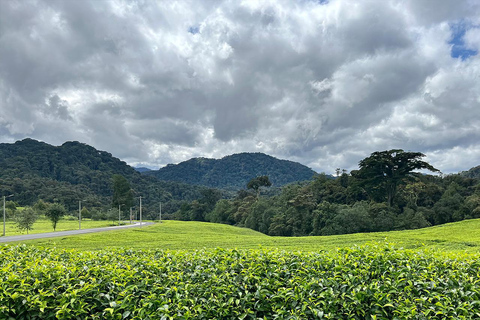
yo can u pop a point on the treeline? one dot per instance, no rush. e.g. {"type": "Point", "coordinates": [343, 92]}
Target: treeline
{"type": "Point", "coordinates": [33, 170]}
{"type": "Point", "coordinates": [361, 201]}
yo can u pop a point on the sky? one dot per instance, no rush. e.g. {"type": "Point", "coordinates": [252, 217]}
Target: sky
{"type": "Point", "coordinates": [324, 83]}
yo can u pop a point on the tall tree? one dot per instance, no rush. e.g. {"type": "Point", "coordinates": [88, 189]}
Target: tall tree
{"type": "Point", "coordinates": [122, 193]}
{"type": "Point", "coordinates": [382, 172]}
{"type": "Point", "coordinates": [256, 183]}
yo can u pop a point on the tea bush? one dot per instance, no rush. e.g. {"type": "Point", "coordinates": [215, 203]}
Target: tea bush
{"type": "Point", "coordinates": [368, 282]}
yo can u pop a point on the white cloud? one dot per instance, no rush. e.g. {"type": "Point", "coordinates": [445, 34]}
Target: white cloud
{"type": "Point", "coordinates": [325, 84]}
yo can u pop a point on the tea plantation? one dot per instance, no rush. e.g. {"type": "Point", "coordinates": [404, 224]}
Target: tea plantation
{"type": "Point", "coordinates": [370, 281]}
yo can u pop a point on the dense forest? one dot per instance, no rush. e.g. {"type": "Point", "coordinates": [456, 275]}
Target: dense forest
{"type": "Point", "coordinates": [74, 171]}
{"type": "Point", "coordinates": [33, 170]}
{"type": "Point", "coordinates": [234, 171]}
{"type": "Point", "coordinates": [380, 196]}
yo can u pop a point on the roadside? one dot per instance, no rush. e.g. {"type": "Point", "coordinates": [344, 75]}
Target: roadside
{"type": "Point", "coordinates": [69, 233]}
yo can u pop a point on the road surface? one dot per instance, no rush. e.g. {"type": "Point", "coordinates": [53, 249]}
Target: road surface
{"type": "Point", "coordinates": [68, 233]}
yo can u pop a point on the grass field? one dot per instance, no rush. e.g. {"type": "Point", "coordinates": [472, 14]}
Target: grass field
{"type": "Point", "coordinates": [178, 235]}
{"type": "Point", "coordinates": [43, 225]}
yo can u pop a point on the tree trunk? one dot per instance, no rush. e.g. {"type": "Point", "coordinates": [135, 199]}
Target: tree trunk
{"type": "Point", "coordinates": [391, 190]}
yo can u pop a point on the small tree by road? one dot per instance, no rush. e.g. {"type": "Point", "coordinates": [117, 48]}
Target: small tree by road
{"type": "Point", "coordinates": [25, 219]}
{"type": "Point", "coordinates": [112, 215]}
{"type": "Point", "coordinates": [54, 213]}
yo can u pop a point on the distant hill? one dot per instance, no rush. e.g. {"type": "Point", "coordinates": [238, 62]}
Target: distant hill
{"type": "Point", "coordinates": [74, 171]}
{"type": "Point", "coordinates": [473, 173]}
{"type": "Point", "coordinates": [142, 169]}
{"type": "Point", "coordinates": [234, 171]}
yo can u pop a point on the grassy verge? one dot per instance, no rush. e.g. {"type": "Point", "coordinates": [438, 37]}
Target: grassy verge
{"type": "Point", "coordinates": [177, 235]}
{"type": "Point", "coordinates": [43, 225]}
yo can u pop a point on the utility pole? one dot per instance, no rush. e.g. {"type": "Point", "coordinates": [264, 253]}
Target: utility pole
{"type": "Point", "coordinates": [130, 215]}
{"type": "Point", "coordinates": [4, 216]}
{"type": "Point", "coordinates": [140, 211]}
{"type": "Point", "coordinates": [119, 213]}
{"type": "Point", "coordinates": [4, 212]}
{"type": "Point", "coordinates": [79, 214]}
{"type": "Point", "coordinates": [160, 212]}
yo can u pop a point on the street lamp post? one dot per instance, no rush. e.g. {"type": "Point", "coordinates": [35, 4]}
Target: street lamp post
{"type": "Point", "coordinates": [119, 213]}
{"type": "Point", "coordinates": [4, 197]}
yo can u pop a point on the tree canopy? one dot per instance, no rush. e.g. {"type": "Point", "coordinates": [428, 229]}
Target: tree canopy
{"type": "Point", "coordinates": [256, 183]}
{"type": "Point", "coordinates": [383, 171]}
{"type": "Point", "coordinates": [55, 212]}
{"type": "Point", "coordinates": [233, 172]}
{"type": "Point", "coordinates": [122, 193]}
{"type": "Point", "coordinates": [25, 219]}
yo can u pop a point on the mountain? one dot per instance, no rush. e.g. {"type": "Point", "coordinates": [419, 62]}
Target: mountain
{"type": "Point", "coordinates": [234, 171]}
{"type": "Point", "coordinates": [473, 173]}
{"type": "Point", "coordinates": [142, 169]}
{"type": "Point", "coordinates": [74, 171]}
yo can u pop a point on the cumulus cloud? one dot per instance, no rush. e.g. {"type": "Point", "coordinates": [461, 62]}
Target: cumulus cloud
{"type": "Point", "coordinates": [323, 83]}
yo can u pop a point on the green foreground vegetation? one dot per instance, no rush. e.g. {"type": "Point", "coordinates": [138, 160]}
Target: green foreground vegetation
{"type": "Point", "coordinates": [197, 270]}
{"type": "Point", "coordinates": [189, 235]}
{"type": "Point", "coordinates": [368, 282]}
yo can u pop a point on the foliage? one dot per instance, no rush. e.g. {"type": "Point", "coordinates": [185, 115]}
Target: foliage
{"type": "Point", "coordinates": [25, 219]}
{"type": "Point", "coordinates": [369, 282]}
{"type": "Point", "coordinates": [86, 214]}
{"type": "Point", "coordinates": [11, 205]}
{"type": "Point", "coordinates": [10, 208]}
{"type": "Point", "coordinates": [42, 225]}
{"type": "Point", "coordinates": [382, 172]}
{"type": "Point", "coordinates": [198, 209]}
{"type": "Point", "coordinates": [40, 206]}
{"type": "Point", "coordinates": [112, 215]}
{"type": "Point", "coordinates": [349, 203]}
{"type": "Point", "coordinates": [258, 182]}
{"type": "Point", "coordinates": [359, 202]}
{"type": "Point", "coordinates": [327, 206]}
{"type": "Point", "coordinates": [234, 171]}
{"type": "Point", "coordinates": [55, 212]}
{"type": "Point", "coordinates": [122, 193]}
{"type": "Point", "coordinates": [74, 171]}
{"type": "Point", "coordinates": [472, 173]}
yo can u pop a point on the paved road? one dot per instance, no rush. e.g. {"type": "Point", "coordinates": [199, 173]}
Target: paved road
{"type": "Point", "coordinates": [68, 233]}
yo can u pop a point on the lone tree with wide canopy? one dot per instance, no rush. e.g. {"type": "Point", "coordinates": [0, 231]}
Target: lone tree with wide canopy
{"type": "Point", "coordinates": [384, 171]}
{"type": "Point", "coordinates": [257, 182]}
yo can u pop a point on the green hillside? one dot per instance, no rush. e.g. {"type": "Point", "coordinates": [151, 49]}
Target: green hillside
{"type": "Point", "coordinates": [178, 235]}
{"type": "Point", "coordinates": [234, 171]}
{"type": "Point", "coordinates": [33, 170]}
{"type": "Point", "coordinates": [473, 173]}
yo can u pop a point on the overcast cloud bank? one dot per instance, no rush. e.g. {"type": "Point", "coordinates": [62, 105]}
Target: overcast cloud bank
{"type": "Point", "coordinates": [322, 83]}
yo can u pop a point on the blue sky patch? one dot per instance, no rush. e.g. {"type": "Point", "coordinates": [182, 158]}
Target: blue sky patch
{"type": "Point", "coordinates": [194, 30]}
{"type": "Point", "coordinates": [459, 50]}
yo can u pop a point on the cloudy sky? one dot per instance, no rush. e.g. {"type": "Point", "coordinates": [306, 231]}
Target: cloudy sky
{"type": "Point", "coordinates": [324, 83]}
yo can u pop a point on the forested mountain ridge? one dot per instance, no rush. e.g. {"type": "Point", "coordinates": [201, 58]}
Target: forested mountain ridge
{"type": "Point", "coordinates": [74, 171]}
{"type": "Point", "coordinates": [234, 171]}
{"type": "Point", "coordinates": [473, 173]}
